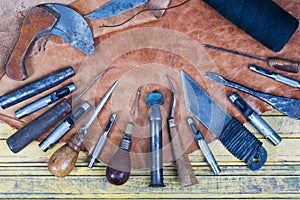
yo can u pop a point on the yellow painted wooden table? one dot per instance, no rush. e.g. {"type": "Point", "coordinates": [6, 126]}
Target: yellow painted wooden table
{"type": "Point", "coordinates": [25, 175]}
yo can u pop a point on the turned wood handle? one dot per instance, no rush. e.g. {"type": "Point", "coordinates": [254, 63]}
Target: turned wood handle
{"type": "Point", "coordinates": [185, 171]}
{"type": "Point", "coordinates": [63, 160]}
{"type": "Point", "coordinates": [36, 22]}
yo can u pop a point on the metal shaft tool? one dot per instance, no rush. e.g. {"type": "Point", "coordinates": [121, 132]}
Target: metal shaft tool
{"type": "Point", "coordinates": [254, 118]}
{"type": "Point", "coordinates": [275, 76]}
{"type": "Point", "coordinates": [118, 169]}
{"type": "Point", "coordinates": [63, 160]}
{"type": "Point", "coordinates": [45, 101]}
{"type": "Point", "coordinates": [184, 168]}
{"type": "Point", "coordinates": [288, 106]}
{"type": "Point", "coordinates": [35, 88]}
{"type": "Point", "coordinates": [278, 63]}
{"type": "Point", "coordinates": [102, 140]}
{"type": "Point", "coordinates": [203, 146]}
{"type": "Point", "coordinates": [154, 100]}
{"type": "Point", "coordinates": [65, 126]}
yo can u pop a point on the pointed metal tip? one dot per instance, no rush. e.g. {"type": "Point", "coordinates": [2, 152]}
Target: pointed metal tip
{"type": "Point", "coordinates": [215, 77]}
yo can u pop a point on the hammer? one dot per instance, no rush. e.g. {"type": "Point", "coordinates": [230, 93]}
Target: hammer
{"type": "Point", "coordinates": [154, 100]}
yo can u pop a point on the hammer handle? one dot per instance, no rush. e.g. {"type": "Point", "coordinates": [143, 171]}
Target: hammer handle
{"type": "Point", "coordinates": [34, 24]}
{"type": "Point", "coordinates": [38, 126]}
{"type": "Point", "coordinates": [185, 171]}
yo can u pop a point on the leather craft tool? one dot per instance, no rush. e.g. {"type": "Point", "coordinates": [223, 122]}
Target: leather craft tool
{"type": "Point", "coordinates": [65, 126]}
{"type": "Point", "coordinates": [288, 106]}
{"type": "Point", "coordinates": [234, 136]}
{"type": "Point", "coordinates": [119, 167]}
{"type": "Point", "coordinates": [35, 88]}
{"type": "Point", "coordinates": [102, 140]}
{"type": "Point", "coordinates": [277, 63]}
{"type": "Point", "coordinates": [154, 100]}
{"type": "Point", "coordinates": [203, 146]}
{"type": "Point", "coordinates": [63, 160]}
{"type": "Point", "coordinates": [38, 126]}
{"type": "Point", "coordinates": [184, 168]}
{"type": "Point", "coordinates": [45, 101]}
{"type": "Point", "coordinates": [48, 19]}
{"type": "Point", "coordinates": [254, 118]}
{"type": "Point", "coordinates": [275, 76]}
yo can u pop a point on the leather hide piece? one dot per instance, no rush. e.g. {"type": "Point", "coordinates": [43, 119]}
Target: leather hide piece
{"type": "Point", "coordinates": [142, 55]}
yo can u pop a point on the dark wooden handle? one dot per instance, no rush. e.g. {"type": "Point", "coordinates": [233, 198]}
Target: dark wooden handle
{"type": "Point", "coordinates": [285, 65]}
{"type": "Point", "coordinates": [34, 23]}
{"type": "Point", "coordinates": [62, 161]}
{"type": "Point", "coordinates": [38, 126]}
{"type": "Point", "coordinates": [185, 171]}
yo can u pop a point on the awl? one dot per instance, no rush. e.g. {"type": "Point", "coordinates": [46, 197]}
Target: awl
{"type": "Point", "coordinates": [234, 136]}
{"type": "Point", "coordinates": [63, 160]}
{"type": "Point", "coordinates": [203, 146]}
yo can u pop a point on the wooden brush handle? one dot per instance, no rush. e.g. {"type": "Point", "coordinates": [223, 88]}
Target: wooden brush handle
{"type": "Point", "coordinates": [37, 21]}
{"type": "Point", "coordinates": [185, 171]}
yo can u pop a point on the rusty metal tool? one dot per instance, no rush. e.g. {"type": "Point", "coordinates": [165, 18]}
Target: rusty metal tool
{"type": "Point", "coordinates": [102, 140]}
{"type": "Point", "coordinates": [63, 160]}
{"type": "Point", "coordinates": [278, 63]}
{"type": "Point", "coordinates": [119, 167]}
{"type": "Point", "coordinates": [35, 88]}
{"type": "Point", "coordinates": [65, 126]}
{"type": "Point", "coordinates": [275, 76]}
{"type": "Point", "coordinates": [203, 146]}
{"type": "Point", "coordinates": [46, 19]}
{"type": "Point", "coordinates": [154, 100]}
{"type": "Point", "coordinates": [45, 101]}
{"type": "Point", "coordinates": [258, 122]}
{"type": "Point", "coordinates": [234, 136]}
{"type": "Point", "coordinates": [184, 168]}
{"type": "Point", "coordinates": [288, 106]}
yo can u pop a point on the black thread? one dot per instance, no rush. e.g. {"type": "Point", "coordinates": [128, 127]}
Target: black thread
{"type": "Point", "coordinates": [264, 20]}
{"type": "Point", "coordinates": [148, 9]}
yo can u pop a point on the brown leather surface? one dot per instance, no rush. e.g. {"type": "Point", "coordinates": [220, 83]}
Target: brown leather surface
{"type": "Point", "coordinates": [143, 55]}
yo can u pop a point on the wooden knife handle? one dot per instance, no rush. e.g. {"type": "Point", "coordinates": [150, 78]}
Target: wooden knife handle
{"type": "Point", "coordinates": [34, 24]}
{"type": "Point", "coordinates": [185, 171]}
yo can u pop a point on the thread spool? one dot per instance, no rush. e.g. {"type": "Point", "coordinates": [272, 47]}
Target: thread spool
{"type": "Point", "coordinates": [264, 20]}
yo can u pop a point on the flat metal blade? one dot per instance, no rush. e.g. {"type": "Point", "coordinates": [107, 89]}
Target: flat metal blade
{"type": "Point", "coordinates": [73, 28]}
{"type": "Point", "coordinates": [115, 7]}
{"type": "Point", "coordinates": [203, 107]}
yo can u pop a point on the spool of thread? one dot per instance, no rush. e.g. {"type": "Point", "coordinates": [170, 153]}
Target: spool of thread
{"type": "Point", "coordinates": [264, 20]}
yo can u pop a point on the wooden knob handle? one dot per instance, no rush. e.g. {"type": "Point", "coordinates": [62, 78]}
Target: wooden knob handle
{"type": "Point", "coordinates": [62, 161]}
{"type": "Point", "coordinates": [185, 171]}
{"type": "Point", "coordinates": [37, 21]}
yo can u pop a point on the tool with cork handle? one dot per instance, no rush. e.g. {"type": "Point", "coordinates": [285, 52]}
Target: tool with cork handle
{"type": "Point", "coordinates": [184, 168]}
{"type": "Point", "coordinates": [277, 63]}
{"type": "Point", "coordinates": [119, 167]}
{"type": "Point", "coordinates": [63, 160]}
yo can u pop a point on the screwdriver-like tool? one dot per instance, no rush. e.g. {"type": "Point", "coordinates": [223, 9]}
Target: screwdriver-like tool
{"type": "Point", "coordinates": [63, 160]}
{"type": "Point", "coordinates": [118, 169]}
{"type": "Point", "coordinates": [203, 146]}
{"type": "Point", "coordinates": [277, 63]}
{"type": "Point", "coordinates": [102, 140]}
{"type": "Point", "coordinates": [184, 168]}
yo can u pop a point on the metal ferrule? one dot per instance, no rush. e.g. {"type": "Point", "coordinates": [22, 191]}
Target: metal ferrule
{"type": "Point", "coordinates": [254, 118]}
{"type": "Point", "coordinates": [125, 143]}
{"type": "Point", "coordinates": [64, 127]}
{"type": "Point", "coordinates": [45, 101]}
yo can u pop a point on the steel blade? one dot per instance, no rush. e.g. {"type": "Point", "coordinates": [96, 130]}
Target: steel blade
{"type": "Point", "coordinates": [73, 28]}
{"type": "Point", "coordinates": [203, 107]}
{"type": "Point", "coordinates": [115, 7]}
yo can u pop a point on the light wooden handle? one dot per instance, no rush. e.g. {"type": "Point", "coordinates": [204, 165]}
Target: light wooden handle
{"type": "Point", "coordinates": [37, 21]}
{"type": "Point", "coordinates": [185, 171]}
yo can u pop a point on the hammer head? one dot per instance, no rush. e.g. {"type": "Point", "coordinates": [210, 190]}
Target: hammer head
{"type": "Point", "coordinates": [154, 98]}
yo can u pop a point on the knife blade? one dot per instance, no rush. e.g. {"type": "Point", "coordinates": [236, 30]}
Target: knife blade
{"type": "Point", "coordinates": [233, 135]}
{"type": "Point", "coordinates": [115, 7]}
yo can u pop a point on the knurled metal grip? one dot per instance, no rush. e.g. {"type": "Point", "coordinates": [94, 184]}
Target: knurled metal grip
{"type": "Point", "coordinates": [243, 145]}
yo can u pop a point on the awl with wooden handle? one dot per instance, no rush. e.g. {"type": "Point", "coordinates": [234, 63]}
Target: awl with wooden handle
{"type": "Point", "coordinates": [278, 63]}
{"type": "Point", "coordinates": [63, 160]}
{"type": "Point", "coordinates": [185, 171]}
